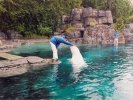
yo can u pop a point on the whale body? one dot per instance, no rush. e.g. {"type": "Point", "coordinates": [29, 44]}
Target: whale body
{"type": "Point", "coordinates": [77, 59]}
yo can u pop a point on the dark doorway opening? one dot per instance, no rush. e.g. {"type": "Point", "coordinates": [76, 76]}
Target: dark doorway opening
{"type": "Point", "coordinates": [81, 34]}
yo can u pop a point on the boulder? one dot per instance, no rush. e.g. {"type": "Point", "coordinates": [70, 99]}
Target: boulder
{"type": "Point", "coordinates": [77, 34]}
{"type": "Point", "coordinates": [86, 21]}
{"type": "Point", "coordinates": [129, 26]}
{"type": "Point", "coordinates": [65, 19]}
{"type": "Point", "coordinates": [128, 33]}
{"type": "Point", "coordinates": [101, 13]}
{"type": "Point", "coordinates": [2, 36]}
{"type": "Point", "coordinates": [1, 65]}
{"type": "Point", "coordinates": [19, 61]}
{"type": "Point", "coordinates": [72, 35]}
{"type": "Point", "coordinates": [0, 43]}
{"type": "Point", "coordinates": [34, 59]}
{"type": "Point", "coordinates": [87, 40]}
{"type": "Point", "coordinates": [103, 20]}
{"type": "Point", "coordinates": [87, 12]}
{"type": "Point", "coordinates": [11, 34]}
{"type": "Point", "coordinates": [80, 41]}
{"type": "Point", "coordinates": [94, 12]}
{"type": "Point", "coordinates": [90, 21]}
{"type": "Point", "coordinates": [109, 17]}
{"type": "Point", "coordinates": [75, 22]}
{"type": "Point", "coordinates": [6, 63]}
{"type": "Point", "coordinates": [78, 26]}
{"type": "Point", "coordinates": [17, 67]}
{"type": "Point", "coordinates": [9, 71]}
{"type": "Point", "coordinates": [121, 38]}
{"type": "Point", "coordinates": [76, 14]}
{"type": "Point", "coordinates": [86, 37]}
{"type": "Point", "coordinates": [128, 37]}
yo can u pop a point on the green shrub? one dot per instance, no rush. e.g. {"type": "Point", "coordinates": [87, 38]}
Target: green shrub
{"type": "Point", "coordinates": [130, 19]}
{"type": "Point", "coordinates": [119, 25]}
{"type": "Point", "coordinates": [92, 22]}
{"type": "Point", "coordinates": [77, 3]}
{"type": "Point", "coordinates": [70, 29]}
{"type": "Point", "coordinates": [31, 35]}
{"type": "Point", "coordinates": [21, 28]}
{"type": "Point", "coordinates": [28, 34]}
{"type": "Point", "coordinates": [46, 31]}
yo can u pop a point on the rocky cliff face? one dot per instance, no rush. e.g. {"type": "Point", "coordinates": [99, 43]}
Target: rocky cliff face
{"type": "Point", "coordinates": [100, 34]}
{"type": "Point", "coordinates": [92, 26]}
{"type": "Point", "coordinates": [10, 34]}
{"type": "Point", "coordinates": [128, 33]}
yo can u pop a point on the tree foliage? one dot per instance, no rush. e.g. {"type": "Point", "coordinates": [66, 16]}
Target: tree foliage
{"type": "Point", "coordinates": [118, 7]}
{"type": "Point", "coordinates": [121, 9]}
{"type": "Point", "coordinates": [41, 16]}
{"type": "Point", "coordinates": [35, 16]}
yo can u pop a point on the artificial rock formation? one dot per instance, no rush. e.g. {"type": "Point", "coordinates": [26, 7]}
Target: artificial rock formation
{"type": "Point", "coordinates": [10, 34]}
{"type": "Point", "coordinates": [128, 33]}
{"type": "Point", "coordinates": [91, 26]}
{"type": "Point", "coordinates": [84, 16]}
{"type": "Point", "coordinates": [20, 66]}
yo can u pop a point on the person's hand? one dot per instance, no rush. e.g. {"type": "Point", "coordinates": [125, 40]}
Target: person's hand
{"type": "Point", "coordinates": [73, 45]}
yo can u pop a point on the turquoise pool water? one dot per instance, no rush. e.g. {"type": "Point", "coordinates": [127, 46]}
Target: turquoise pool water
{"type": "Point", "coordinates": [108, 76]}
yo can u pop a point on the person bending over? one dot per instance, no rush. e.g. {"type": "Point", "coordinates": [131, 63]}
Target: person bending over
{"type": "Point", "coordinates": [55, 41]}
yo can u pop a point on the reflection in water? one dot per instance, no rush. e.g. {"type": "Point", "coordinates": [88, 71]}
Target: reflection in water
{"type": "Point", "coordinates": [115, 49]}
{"type": "Point", "coordinates": [22, 87]}
{"type": "Point", "coordinates": [33, 93]}
{"type": "Point", "coordinates": [64, 76]}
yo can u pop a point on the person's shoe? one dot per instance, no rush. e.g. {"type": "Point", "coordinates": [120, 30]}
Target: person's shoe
{"type": "Point", "coordinates": [54, 60]}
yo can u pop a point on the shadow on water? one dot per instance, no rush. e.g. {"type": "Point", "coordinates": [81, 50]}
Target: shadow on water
{"type": "Point", "coordinates": [22, 87]}
{"type": "Point", "coordinates": [39, 93]}
{"type": "Point", "coordinates": [67, 75]}
{"type": "Point", "coordinates": [64, 76]}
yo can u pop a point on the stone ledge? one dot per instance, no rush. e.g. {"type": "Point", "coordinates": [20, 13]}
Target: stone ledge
{"type": "Point", "coordinates": [17, 67]}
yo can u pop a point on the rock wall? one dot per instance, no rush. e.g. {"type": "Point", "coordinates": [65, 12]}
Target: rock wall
{"type": "Point", "coordinates": [128, 33]}
{"type": "Point", "coordinates": [10, 34]}
{"type": "Point", "coordinates": [85, 16]}
{"type": "Point", "coordinates": [101, 34]}
{"type": "Point", "coordinates": [92, 26]}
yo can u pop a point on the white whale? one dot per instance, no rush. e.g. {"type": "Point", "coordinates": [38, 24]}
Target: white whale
{"type": "Point", "coordinates": [77, 59]}
{"type": "Point", "coordinates": [77, 62]}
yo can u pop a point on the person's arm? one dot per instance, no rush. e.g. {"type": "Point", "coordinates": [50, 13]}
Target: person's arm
{"type": "Point", "coordinates": [67, 42]}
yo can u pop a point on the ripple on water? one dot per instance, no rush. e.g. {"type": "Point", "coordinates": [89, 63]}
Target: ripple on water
{"type": "Point", "coordinates": [108, 76]}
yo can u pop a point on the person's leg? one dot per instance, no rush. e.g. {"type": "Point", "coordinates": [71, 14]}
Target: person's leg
{"type": "Point", "coordinates": [116, 42]}
{"type": "Point", "coordinates": [55, 52]}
